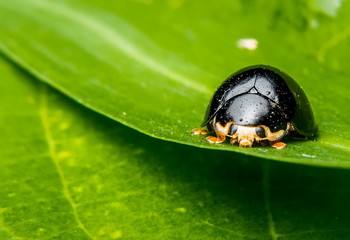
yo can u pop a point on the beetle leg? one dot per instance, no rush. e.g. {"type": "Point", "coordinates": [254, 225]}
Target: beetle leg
{"type": "Point", "coordinates": [261, 141]}
{"type": "Point", "coordinates": [257, 139]}
{"type": "Point", "coordinates": [246, 143]}
{"type": "Point", "coordinates": [221, 132]}
{"type": "Point", "coordinates": [278, 145]}
{"type": "Point", "coordinates": [199, 131]}
{"type": "Point", "coordinates": [295, 134]}
{"type": "Point", "coordinates": [219, 139]}
{"type": "Point", "coordinates": [291, 127]}
{"type": "Point", "coordinates": [234, 138]}
{"type": "Point", "coordinates": [273, 136]}
{"type": "Point", "coordinates": [223, 129]}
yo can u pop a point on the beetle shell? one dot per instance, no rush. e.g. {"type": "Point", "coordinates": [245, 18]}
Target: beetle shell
{"type": "Point", "coordinates": [261, 95]}
{"type": "Point", "coordinates": [274, 86]}
{"type": "Point", "coordinates": [252, 110]}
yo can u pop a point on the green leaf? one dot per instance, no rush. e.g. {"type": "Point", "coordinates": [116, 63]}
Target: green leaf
{"type": "Point", "coordinates": [70, 173]}
{"type": "Point", "coordinates": [154, 65]}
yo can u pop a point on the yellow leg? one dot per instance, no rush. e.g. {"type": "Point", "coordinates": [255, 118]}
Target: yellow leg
{"type": "Point", "coordinates": [199, 131]}
{"type": "Point", "coordinates": [278, 145]}
{"type": "Point", "coordinates": [219, 139]}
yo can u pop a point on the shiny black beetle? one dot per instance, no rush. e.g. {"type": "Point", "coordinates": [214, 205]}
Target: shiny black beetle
{"type": "Point", "coordinates": [258, 104]}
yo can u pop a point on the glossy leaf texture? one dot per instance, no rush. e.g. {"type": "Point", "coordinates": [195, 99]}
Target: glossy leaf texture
{"type": "Point", "coordinates": [153, 65]}
{"type": "Point", "coordinates": [70, 173]}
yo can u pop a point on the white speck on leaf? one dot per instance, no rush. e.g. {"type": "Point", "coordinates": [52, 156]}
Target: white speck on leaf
{"type": "Point", "coordinates": [247, 43]}
{"type": "Point", "coordinates": [262, 150]}
{"type": "Point", "coordinates": [309, 156]}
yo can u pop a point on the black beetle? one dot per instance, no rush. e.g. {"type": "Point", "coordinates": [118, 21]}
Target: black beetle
{"type": "Point", "coordinates": [258, 104]}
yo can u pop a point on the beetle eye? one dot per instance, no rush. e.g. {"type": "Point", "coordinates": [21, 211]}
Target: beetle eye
{"type": "Point", "coordinates": [260, 132]}
{"type": "Point", "coordinates": [233, 129]}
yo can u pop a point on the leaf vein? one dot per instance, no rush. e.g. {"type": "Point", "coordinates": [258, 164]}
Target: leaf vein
{"type": "Point", "coordinates": [331, 43]}
{"type": "Point", "coordinates": [52, 153]}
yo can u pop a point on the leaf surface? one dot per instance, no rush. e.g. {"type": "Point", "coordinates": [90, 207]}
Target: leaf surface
{"type": "Point", "coordinates": [153, 66]}
{"type": "Point", "coordinates": [70, 173]}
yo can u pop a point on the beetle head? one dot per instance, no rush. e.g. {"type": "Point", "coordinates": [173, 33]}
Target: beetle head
{"type": "Point", "coordinates": [247, 135]}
